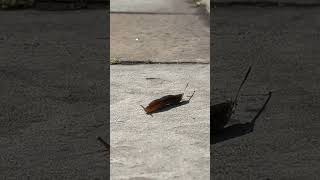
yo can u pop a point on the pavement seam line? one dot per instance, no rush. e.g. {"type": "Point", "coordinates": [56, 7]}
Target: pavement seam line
{"type": "Point", "coordinates": [144, 62]}
{"type": "Point", "coordinates": [155, 13]}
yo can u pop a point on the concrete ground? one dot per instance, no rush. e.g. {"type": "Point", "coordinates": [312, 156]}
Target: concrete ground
{"type": "Point", "coordinates": [282, 45]}
{"type": "Point", "coordinates": [159, 32]}
{"type": "Point", "coordinates": [54, 94]}
{"type": "Point", "coordinates": [154, 6]}
{"type": "Point", "coordinates": [173, 144]}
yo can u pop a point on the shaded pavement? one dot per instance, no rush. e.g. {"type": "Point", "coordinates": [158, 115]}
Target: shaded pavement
{"type": "Point", "coordinates": [281, 44]}
{"type": "Point", "coordinates": [54, 94]}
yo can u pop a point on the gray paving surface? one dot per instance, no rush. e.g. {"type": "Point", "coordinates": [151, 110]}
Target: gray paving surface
{"type": "Point", "coordinates": [173, 144]}
{"type": "Point", "coordinates": [158, 36]}
{"type": "Point", "coordinates": [298, 2]}
{"type": "Point", "coordinates": [282, 45]}
{"type": "Point", "coordinates": [154, 6]}
{"type": "Point", "coordinates": [54, 94]}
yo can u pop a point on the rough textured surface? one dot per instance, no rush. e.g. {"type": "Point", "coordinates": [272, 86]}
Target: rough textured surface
{"type": "Point", "coordinates": [282, 44]}
{"type": "Point", "coordinates": [207, 4]}
{"type": "Point", "coordinates": [146, 31]}
{"type": "Point", "coordinates": [173, 144]}
{"type": "Point", "coordinates": [54, 95]}
{"type": "Point", "coordinates": [159, 38]}
{"type": "Point", "coordinates": [277, 1]}
{"type": "Point", "coordinates": [7, 4]}
{"type": "Point", "coordinates": [154, 6]}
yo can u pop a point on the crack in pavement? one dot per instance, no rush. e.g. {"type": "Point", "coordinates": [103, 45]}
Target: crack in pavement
{"type": "Point", "coordinates": [156, 13]}
{"type": "Point", "coordinates": [151, 62]}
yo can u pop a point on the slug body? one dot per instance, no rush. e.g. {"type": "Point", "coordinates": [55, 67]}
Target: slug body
{"type": "Point", "coordinates": [163, 102]}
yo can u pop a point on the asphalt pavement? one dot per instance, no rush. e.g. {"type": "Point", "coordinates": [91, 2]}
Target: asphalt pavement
{"type": "Point", "coordinates": [281, 45]}
{"type": "Point", "coordinates": [54, 94]}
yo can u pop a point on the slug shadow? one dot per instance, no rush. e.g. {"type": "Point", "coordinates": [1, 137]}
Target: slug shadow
{"type": "Point", "coordinates": [231, 132]}
{"type": "Point", "coordinates": [236, 130]}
